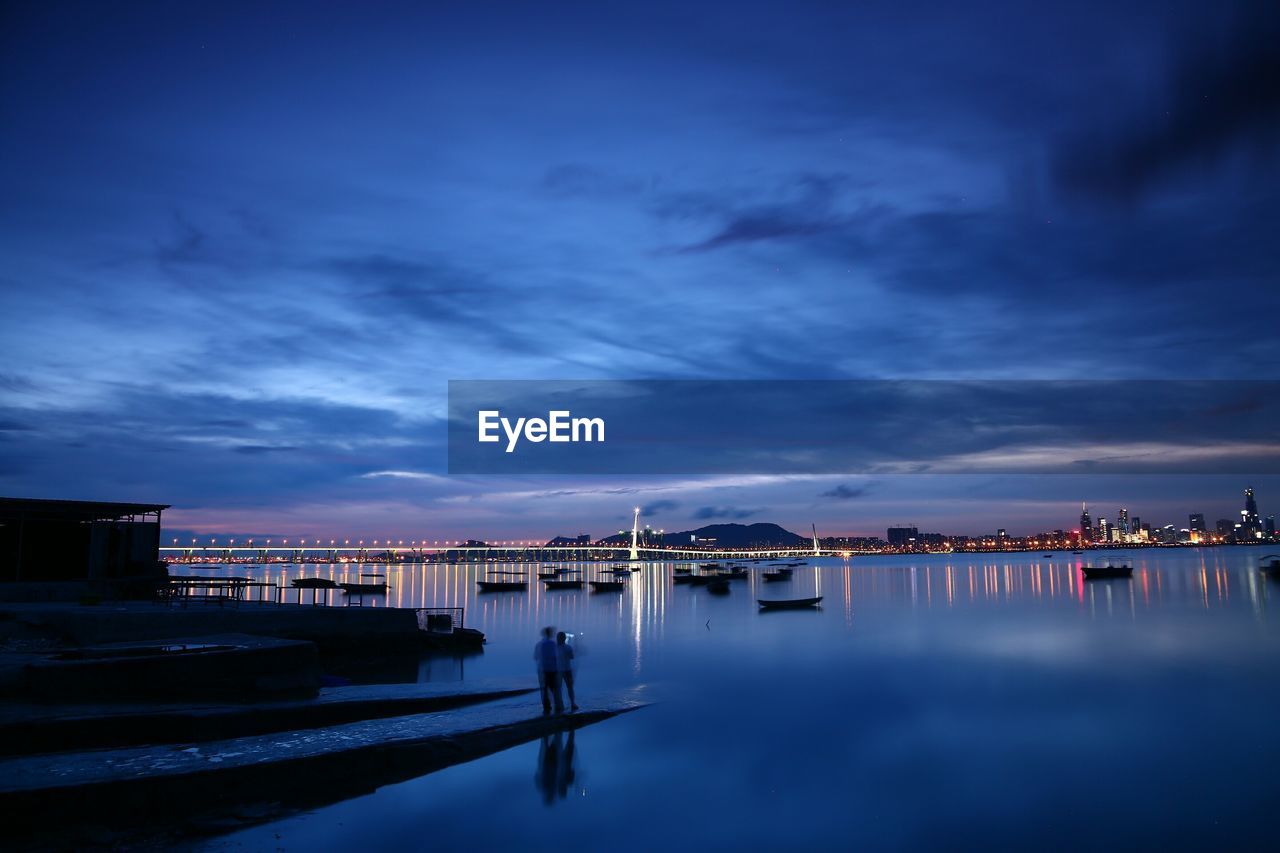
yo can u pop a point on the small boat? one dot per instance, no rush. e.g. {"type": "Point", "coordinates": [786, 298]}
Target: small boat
{"type": "Point", "coordinates": [699, 580]}
{"type": "Point", "coordinates": [787, 603]}
{"type": "Point", "coordinates": [736, 574]}
{"type": "Point", "coordinates": [563, 584]}
{"type": "Point", "coordinates": [769, 577]}
{"type": "Point", "coordinates": [708, 565]}
{"type": "Point", "coordinates": [313, 583]}
{"type": "Point", "coordinates": [1077, 552]}
{"type": "Point", "coordinates": [620, 570]}
{"type": "Point", "coordinates": [501, 586]}
{"type": "Point", "coordinates": [682, 578]}
{"type": "Point", "coordinates": [607, 586]}
{"type": "Point", "coordinates": [366, 587]}
{"type": "Point", "coordinates": [1116, 567]}
{"type": "Point", "coordinates": [1271, 564]}
{"type": "Point", "coordinates": [1048, 555]}
{"type": "Point", "coordinates": [682, 570]}
{"type": "Point", "coordinates": [548, 576]}
{"type": "Point", "coordinates": [718, 586]}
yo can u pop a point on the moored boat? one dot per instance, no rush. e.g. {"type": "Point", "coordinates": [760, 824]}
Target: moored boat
{"type": "Point", "coordinates": [607, 586]}
{"type": "Point", "coordinates": [501, 585]}
{"type": "Point", "coordinates": [375, 585]}
{"type": "Point", "coordinates": [718, 586]}
{"type": "Point", "coordinates": [788, 603]}
{"type": "Point", "coordinates": [770, 577]}
{"type": "Point", "coordinates": [564, 584]}
{"type": "Point", "coordinates": [313, 583]}
{"type": "Point", "coordinates": [1116, 567]}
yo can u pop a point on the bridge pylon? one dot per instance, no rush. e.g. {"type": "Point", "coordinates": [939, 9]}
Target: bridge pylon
{"type": "Point", "coordinates": [635, 535]}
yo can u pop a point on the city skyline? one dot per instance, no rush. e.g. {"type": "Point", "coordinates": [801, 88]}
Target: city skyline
{"type": "Point", "coordinates": [177, 535]}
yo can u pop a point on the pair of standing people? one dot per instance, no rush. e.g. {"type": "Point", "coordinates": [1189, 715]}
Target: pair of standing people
{"type": "Point", "coordinates": [554, 658]}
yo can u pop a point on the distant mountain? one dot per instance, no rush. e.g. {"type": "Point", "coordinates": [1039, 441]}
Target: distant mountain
{"type": "Point", "coordinates": [727, 536]}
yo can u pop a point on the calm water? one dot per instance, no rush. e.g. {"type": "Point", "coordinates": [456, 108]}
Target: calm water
{"type": "Point", "coordinates": [961, 701]}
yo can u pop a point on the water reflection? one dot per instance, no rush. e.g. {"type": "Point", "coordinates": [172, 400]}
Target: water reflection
{"type": "Point", "coordinates": [1001, 690]}
{"type": "Point", "coordinates": [636, 632]}
{"type": "Point", "coordinates": [557, 767]}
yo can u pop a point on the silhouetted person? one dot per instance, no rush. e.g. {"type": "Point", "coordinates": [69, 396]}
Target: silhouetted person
{"type": "Point", "coordinates": [564, 664]}
{"type": "Point", "coordinates": [547, 657]}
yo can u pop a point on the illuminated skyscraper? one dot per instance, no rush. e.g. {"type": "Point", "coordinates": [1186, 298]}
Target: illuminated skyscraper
{"type": "Point", "coordinates": [1197, 522]}
{"type": "Point", "coordinates": [1124, 522]}
{"type": "Point", "coordinates": [1086, 525]}
{"type": "Point", "coordinates": [1250, 524]}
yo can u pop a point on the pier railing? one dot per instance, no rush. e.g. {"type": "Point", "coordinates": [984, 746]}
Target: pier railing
{"type": "Point", "coordinates": [440, 619]}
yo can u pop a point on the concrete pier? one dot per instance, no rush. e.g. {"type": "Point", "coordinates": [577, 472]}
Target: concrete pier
{"type": "Point", "coordinates": [28, 729]}
{"type": "Point", "coordinates": [330, 628]}
{"type": "Point", "coordinates": [147, 785]}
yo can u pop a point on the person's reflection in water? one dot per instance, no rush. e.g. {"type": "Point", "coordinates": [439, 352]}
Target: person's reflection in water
{"type": "Point", "coordinates": [557, 766]}
{"type": "Point", "coordinates": [566, 769]}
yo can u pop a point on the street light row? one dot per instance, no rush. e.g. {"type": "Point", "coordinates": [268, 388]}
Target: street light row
{"type": "Point", "coordinates": [387, 543]}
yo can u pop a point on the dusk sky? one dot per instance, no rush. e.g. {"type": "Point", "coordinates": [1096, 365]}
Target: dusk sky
{"type": "Point", "coordinates": [247, 245]}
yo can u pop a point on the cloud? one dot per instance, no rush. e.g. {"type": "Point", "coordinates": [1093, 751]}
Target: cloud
{"type": "Point", "coordinates": [1221, 96]}
{"type": "Point", "coordinates": [708, 513]}
{"type": "Point", "coordinates": [804, 206]}
{"type": "Point", "coordinates": [844, 492]}
{"type": "Point", "coordinates": [575, 180]}
{"type": "Point", "coordinates": [658, 506]}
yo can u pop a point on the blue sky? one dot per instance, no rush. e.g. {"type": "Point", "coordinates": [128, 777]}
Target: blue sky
{"type": "Point", "coordinates": [248, 244]}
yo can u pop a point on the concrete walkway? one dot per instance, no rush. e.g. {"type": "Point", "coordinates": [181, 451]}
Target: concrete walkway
{"type": "Point", "coordinates": [27, 729]}
{"type": "Point", "coordinates": [299, 767]}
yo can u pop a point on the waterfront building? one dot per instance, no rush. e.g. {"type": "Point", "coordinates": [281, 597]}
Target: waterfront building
{"type": "Point", "coordinates": [1250, 524]}
{"type": "Point", "coordinates": [1197, 522]}
{"type": "Point", "coordinates": [1086, 525]}
{"type": "Point", "coordinates": [53, 540]}
{"type": "Point", "coordinates": [902, 537]}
